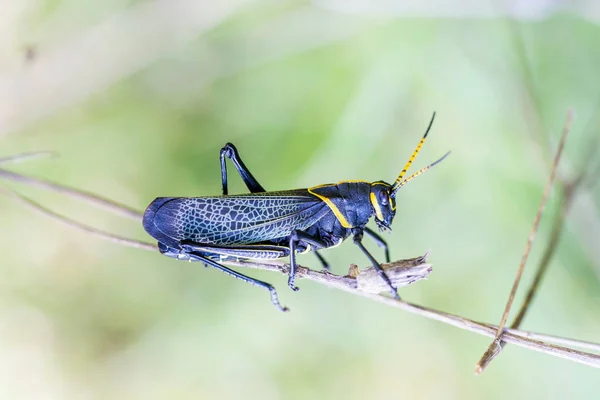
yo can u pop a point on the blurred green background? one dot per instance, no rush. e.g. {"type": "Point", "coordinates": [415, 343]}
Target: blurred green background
{"type": "Point", "coordinates": [138, 97]}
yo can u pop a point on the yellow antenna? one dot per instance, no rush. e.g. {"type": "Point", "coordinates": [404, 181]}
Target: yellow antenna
{"type": "Point", "coordinates": [396, 186]}
{"type": "Point", "coordinates": [419, 172]}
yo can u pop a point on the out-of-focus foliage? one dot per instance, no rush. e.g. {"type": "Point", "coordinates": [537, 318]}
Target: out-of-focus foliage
{"type": "Point", "coordinates": [139, 96]}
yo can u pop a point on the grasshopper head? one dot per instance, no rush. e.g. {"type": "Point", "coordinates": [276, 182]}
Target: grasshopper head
{"type": "Point", "coordinates": [384, 205]}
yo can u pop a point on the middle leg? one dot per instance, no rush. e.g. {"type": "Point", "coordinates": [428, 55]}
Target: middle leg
{"type": "Point", "coordinates": [358, 235]}
{"type": "Point", "coordinates": [379, 242]}
{"type": "Point", "coordinates": [295, 237]}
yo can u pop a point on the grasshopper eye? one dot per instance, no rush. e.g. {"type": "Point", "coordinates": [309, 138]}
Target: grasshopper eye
{"type": "Point", "coordinates": [384, 200]}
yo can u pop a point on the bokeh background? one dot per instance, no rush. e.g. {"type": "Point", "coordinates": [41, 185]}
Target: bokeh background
{"type": "Point", "coordinates": [138, 97]}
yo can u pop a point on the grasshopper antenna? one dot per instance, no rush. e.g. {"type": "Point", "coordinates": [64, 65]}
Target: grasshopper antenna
{"type": "Point", "coordinates": [419, 172]}
{"type": "Point", "coordinates": [399, 182]}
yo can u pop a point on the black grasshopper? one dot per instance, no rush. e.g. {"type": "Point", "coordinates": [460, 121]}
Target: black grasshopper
{"type": "Point", "coordinates": [268, 225]}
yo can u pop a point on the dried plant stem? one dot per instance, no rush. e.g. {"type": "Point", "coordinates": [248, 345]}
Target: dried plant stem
{"type": "Point", "coordinates": [551, 246]}
{"type": "Point", "coordinates": [83, 227]}
{"type": "Point", "coordinates": [496, 346]}
{"type": "Point", "coordinates": [90, 198]}
{"type": "Point", "coordinates": [586, 179]}
{"type": "Point", "coordinates": [554, 339]}
{"type": "Point", "coordinates": [568, 191]}
{"type": "Point", "coordinates": [27, 156]}
{"type": "Point", "coordinates": [520, 339]}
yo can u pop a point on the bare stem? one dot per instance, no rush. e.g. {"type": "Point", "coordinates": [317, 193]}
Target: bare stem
{"type": "Point", "coordinates": [27, 156]}
{"type": "Point", "coordinates": [86, 228]}
{"type": "Point", "coordinates": [544, 263]}
{"type": "Point", "coordinates": [90, 198]}
{"type": "Point", "coordinates": [568, 193]}
{"type": "Point", "coordinates": [496, 346]}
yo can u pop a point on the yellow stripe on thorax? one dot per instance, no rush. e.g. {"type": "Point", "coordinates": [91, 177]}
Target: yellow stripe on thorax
{"type": "Point", "coordinates": [332, 206]}
{"type": "Point", "coordinates": [376, 206]}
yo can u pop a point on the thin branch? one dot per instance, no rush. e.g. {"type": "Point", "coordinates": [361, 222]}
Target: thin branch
{"type": "Point", "coordinates": [90, 198]}
{"type": "Point", "coordinates": [568, 192]}
{"type": "Point", "coordinates": [544, 262]}
{"type": "Point", "coordinates": [86, 228]}
{"type": "Point", "coordinates": [496, 346]}
{"type": "Point", "coordinates": [569, 189]}
{"type": "Point", "coordinates": [586, 179]}
{"type": "Point", "coordinates": [567, 197]}
{"type": "Point", "coordinates": [364, 283]}
{"type": "Point", "coordinates": [554, 339]}
{"type": "Point", "coordinates": [27, 156]}
{"type": "Point", "coordinates": [521, 339]}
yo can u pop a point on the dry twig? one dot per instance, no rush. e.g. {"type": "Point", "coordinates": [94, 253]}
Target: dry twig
{"type": "Point", "coordinates": [496, 346]}
{"type": "Point", "coordinates": [587, 176]}
{"type": "Point", "coordinates": [90, 198]}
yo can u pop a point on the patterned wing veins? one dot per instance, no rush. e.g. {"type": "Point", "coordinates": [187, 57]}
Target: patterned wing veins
{"type": "Point", "coordinates": [238, 219]}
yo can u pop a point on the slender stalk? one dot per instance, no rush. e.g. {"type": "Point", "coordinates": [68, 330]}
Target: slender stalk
{"type": "Point", "coordinates": [496, 346]}
{"type": "Point", "coordinates": [90, 198]}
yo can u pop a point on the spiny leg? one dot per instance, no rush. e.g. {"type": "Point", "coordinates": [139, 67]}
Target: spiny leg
{"type": "Point", "coordinates": [252, 281]}
{"type": "Point", "coordinates": [295, 237]}
{"type": "Point", "coordinates": [257, 251]}
{"type": "Point", "coordinates": [358, 235]}
{"type": "Point", "coordinates": [323, 261]}
{"type": "Point", "coordinates": [231, 152]}
{"type": "Point", "coordinates": [379, 242]}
